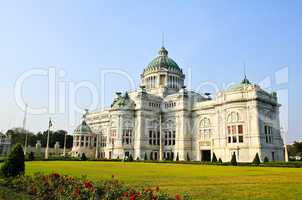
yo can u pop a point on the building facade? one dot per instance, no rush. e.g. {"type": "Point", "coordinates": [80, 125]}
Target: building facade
{"type": "Point", "coordinates": [163, 120]}
{"type": "Point", "coordinates": [5, 144]}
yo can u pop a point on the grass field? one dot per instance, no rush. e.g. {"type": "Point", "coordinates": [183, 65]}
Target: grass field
{"type": "Point", "coordinates": [200, 181]}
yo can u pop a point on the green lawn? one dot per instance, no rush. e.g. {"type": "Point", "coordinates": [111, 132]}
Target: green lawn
{"type": "Point", "coordinates": [201, 181]}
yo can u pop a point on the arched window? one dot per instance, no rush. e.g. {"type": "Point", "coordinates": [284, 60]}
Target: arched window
{"type": "Point", "coordinates": [234, 128]}
{"type": "Point", "coordinates": [268, 127]}
{"type": "Point", "coordinates": [169, 133]}
{"type": "Point", "coordinates": [127, 137]}
{"type": "Point", "coordinates": [153, 132]}
{"type": "Point", "coordinates": [205, 129]}
{"type": "Point", "coordinates": [102, 139]}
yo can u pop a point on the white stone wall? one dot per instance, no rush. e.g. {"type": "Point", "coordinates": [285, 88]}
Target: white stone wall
{"type": "Point", "coordinates": [186, 110]}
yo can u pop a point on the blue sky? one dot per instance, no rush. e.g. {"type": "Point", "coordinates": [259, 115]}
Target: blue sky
{"type": "Point", "coordinates": [212, 39]}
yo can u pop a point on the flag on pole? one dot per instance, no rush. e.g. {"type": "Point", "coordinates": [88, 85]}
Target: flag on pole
{"type": "Point", "coordinates": [50, 123]}
{"type": "Point", "coordinates": [47, 144]}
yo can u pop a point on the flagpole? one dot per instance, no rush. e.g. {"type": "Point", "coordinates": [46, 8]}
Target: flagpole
{"type": "Point", "coordinates": [24, 129]}
{"type": "Point", "coordinates": [285, 145]}
{"type": "Point", "coordinates": [64, 151]}
{"type": "Point", "coordinates": [47, 144]}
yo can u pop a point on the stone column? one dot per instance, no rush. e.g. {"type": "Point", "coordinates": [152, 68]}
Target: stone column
{"type": "Point", "coordinates": [160, 138]}
{"type": "Point", "coordinates": [97, 146]}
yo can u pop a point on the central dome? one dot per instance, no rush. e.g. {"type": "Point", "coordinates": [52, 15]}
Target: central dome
{"type": "Point", "coordinates": [162, 61]}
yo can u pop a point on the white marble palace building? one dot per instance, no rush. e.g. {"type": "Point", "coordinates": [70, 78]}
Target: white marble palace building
{"type": "Point", "coordinates": [163, 120]}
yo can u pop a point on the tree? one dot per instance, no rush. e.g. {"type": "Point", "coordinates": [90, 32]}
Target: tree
{"type": "Point", "coordinates": [214, 159]}
{"type": "Point", "coordinates": [220, 161]}
{"type": "Point", "coordinates": [18, 136]}
{"type": "Point", "coordinates": [14, 165]}
{"type": "Point", "coordinates": [234, 160]}
{"type": "Point", "coordinates": [177, 157]}
{"type": "Point", "coordinates": [188, 157]}
{"type": "Point", "coordinates": [266, 159]}
{"type": "Point", "coordinates": [130, 158]}
{"type": "Point", "coordinates": [31, 156]}
{"type": "Point", "coordinates": [295, 149]}
{"type": "Point", "coordinates": [172, 157]}
{"type": "Point", "coordinates": [145, 157]}
{"type": "Point", "coordinates": [256, 160]}
{"type": "Point", "coordinates": [83, 157]}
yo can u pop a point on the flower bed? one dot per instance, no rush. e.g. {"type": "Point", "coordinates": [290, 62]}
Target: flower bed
{"type": "Point", "coordinates": [55, 186]}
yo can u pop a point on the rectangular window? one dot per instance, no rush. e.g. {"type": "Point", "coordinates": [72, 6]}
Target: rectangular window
{"type": "Point", "coordinates": [229, 130]}
{"type": "Point", "coordinates": [234, 139]}
{"type": "Point", "coordinates": [240, 129]}
{"type": "Point", "coordinates": [240, 139]}
{"type": "Point", "coordinates": [233, 129]}
{"type": "Point", "coordinates": [229, 139]}
{"type": "Point", "coordinates": [268, 131]}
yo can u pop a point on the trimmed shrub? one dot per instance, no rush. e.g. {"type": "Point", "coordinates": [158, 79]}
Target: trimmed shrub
{"type": "Point", "coordinates": [130, 158]}
{"type": "Point", "coordinates": [137, 158]}
{"type": "Point", "coordinates": [145, 157]}
{"type": "Point", "coordinates": [177, 157]}
{"type": "Point", "coordinates": [256, 160]}
{"type": "Point", "coordinates": [220, 161]}
{"type": "Point", "coordinates": [83, 157]}
{"type": "Point", "coordinates": [234, 160]}
{"type": "Point", "coordinates": [171, 158]}
{"type": "Point", "coordinates": [14, 165]}
{"type": "Point", "coordinates": [266, 160]}
{"type": "Point", "coordinates": [31, 156]}
{"type": "Point", "coordinates": [188, 157]}
{"type": "Point", "coordinates": [214, 159]}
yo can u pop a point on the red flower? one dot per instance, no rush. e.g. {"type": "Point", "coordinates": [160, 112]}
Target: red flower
{"type": "Point", "coordinates": [177, 197]}
{"type": "Point", "coordinates": [55, 175]}
{"type": "Point", "coordinates": [34, 190]}
{"type": "Point", "coordinates": [45, 178]}
{"type": "Point", "coordinates": [125, 194]}
{"type": "Point", "coordinates": [77, 192]}
{"type": "Point", "coordinates": [137, 195]}
{"type": "Point", "coordinates": [88, 184]}
{"type": "Point", "coordinates": [132, 197]}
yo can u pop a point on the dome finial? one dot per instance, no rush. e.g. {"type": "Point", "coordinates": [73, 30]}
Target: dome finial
{"type": "Point", "coordinates": [163, 51]}
{"type": "Point", "coordinates": [163, 39]}
{"type": "Point", "coordinates": [245, 80]}
{"type": "Point", "coordinates": [85, 114]}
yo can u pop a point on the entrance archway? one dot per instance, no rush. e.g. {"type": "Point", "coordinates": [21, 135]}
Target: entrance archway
{"type": "Point", "coordinates": [205, 155]}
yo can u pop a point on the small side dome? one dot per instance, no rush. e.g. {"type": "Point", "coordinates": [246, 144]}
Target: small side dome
{"type": "Point", "coordinates": [241, 86]}
{"type": "Point", "coordinates": [83, 128]}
